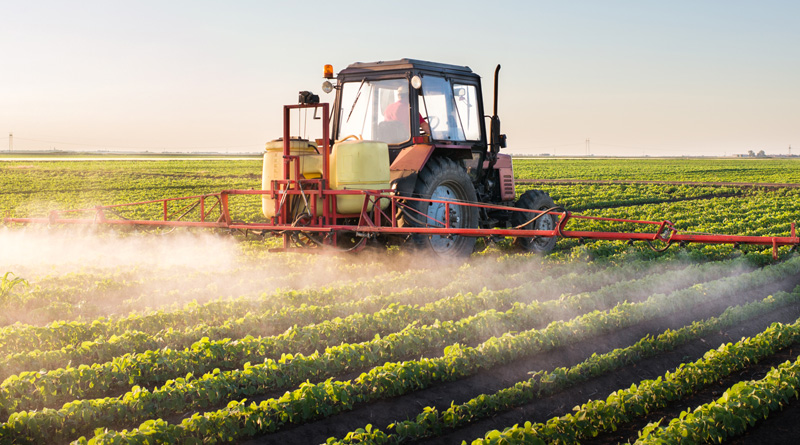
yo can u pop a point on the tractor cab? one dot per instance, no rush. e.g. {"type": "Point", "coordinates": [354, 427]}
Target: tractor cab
{"type": "Point", "coordinates": [430, 116]}
{"type": "Point", "coordinates": [407, 102]}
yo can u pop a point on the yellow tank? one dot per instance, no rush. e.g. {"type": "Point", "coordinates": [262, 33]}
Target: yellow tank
{"type": "Point", "coordinates": [310, 167]}
{"type": "Point", "coordinates": [359, 165]}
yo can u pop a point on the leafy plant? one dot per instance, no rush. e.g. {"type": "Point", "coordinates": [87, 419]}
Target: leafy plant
{"type": "Point", "coordinates": [7, 283]}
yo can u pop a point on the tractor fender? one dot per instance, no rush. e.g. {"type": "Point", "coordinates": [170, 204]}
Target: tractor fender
{"type": "Point", "coordinates": [406, 166]}
{"type": "Point", "coordinates": [505, 173]}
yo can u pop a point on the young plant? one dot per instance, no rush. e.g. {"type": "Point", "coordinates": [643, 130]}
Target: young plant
{"type": "Point", "coordinates": [7, 283]}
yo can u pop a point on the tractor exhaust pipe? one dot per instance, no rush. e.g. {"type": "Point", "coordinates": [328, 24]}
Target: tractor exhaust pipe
{"type": "Point", "coordinates": [498, 140]}
{"type": "Point", "coordinates": [496, 81]}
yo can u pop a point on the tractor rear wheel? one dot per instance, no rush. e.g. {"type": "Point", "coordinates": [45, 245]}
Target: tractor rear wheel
{"type": "Point", "coordinates": [445, 180]}
{"type": "Point", "coordinates": [535, 200]}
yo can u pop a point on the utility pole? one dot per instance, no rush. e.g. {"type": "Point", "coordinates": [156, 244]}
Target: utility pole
{"type": "Point", "coordinates": [10, 142]}
{"type": "Point", "coordinates": [587, 146]}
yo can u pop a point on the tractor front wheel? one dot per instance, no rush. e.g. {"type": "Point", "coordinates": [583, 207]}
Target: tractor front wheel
{"type": "Point", "coordinates": [443, 179]}
{"type": "Point", "coordinates": [534, 200]}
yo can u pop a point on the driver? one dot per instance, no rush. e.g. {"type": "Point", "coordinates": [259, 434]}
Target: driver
{"type": "Point", "coordinates": [399, 111]}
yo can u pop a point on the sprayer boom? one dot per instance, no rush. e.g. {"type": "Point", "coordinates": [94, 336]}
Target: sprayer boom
{"type": "Point", "coordinates": [212, 211]}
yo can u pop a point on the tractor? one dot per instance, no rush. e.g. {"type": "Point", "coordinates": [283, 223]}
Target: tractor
{"type": "Point", "coordinates": [432, 119]}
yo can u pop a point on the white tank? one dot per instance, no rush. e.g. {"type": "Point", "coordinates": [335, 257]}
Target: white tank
{"type": "Point", "coordinates": [310, 167]}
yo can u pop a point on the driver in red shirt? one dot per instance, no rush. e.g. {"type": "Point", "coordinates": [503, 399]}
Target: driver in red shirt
{"type": "Point", "coordinates": [399, 111]}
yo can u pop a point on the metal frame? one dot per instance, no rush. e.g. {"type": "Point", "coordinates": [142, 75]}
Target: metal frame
{"type": "Point", "coordinates": [384, 222]}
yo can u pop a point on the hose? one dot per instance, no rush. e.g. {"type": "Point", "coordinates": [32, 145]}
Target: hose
{"type": "Point", "coordinates": [543, 212]}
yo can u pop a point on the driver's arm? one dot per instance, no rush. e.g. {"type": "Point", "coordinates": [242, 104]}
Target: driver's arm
{"type": "Point", "coordinates": [424, 126]}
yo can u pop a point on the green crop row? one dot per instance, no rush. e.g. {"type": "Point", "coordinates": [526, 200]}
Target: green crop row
{"type": "Point", "coordinates": [33, 390]}
{"type": "Point", "coordinates": [104, 349]}
{"type": "Point", "coordinates": [182, 394]}
{"type": "Point", "coordinates": [740, 407]}
{"type": "Point", "coordinates": [18, 339]}
{"type": "Point", "coordinates": [581, 197]}
{"type": "Point", "coordinates": [624, 405]}
{"type": "Point", "coordinates": [253, 322]}
{"type": "Point", "coordinates": [313, 401]}
{"type": "Point", "coordinates": [32, 188]}
{"type": "Point", "coordinates": [56, 335]}
{"type": "Point", "coordinates": [21, 338]}
{"type": "Point", "coordinates": [117, 291]}
{"type": "Point", "coordinates": [432, 422]}
{"type": "Point", "coordinates": [699, 170]}
{"type": "Point", "coordinates": [770, 214]}
{"type": "Point", "coordinates": [273, 321]}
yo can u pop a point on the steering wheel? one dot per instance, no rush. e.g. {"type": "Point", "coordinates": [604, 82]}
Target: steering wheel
{"type": "Point", "coordinates": [352, 136]}
{"type": "Point", "coordinates": [433, 121]}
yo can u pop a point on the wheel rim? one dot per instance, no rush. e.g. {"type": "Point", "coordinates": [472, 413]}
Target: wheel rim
{"type": "Point", "coordinates": [436, 213]}
{"type": "Point", "coordinates": [544, 223]}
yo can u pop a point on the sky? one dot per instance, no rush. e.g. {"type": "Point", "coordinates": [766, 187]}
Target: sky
{"type": "Point", "coordinates": [684, 77]}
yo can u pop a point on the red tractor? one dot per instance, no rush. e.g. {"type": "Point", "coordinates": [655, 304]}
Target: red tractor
{"type": "Point", "coordinates": [432, 118]}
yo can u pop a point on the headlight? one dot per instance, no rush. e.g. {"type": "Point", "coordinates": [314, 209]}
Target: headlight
{"type": "Point", "coordinates": [327, 87]}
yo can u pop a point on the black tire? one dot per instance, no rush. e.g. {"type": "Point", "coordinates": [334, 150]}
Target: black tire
{"type": "Point", "coordinates": [445, 179]}
{"type": "Point", "coordinates": [535, 200]}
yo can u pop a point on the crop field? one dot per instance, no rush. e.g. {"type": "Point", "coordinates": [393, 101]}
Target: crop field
{"type": "Point", "coordinates": [189, 336]}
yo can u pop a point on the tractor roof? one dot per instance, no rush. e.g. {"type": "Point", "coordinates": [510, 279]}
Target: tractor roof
{"type": "Point", "coordinates": [405, 65]}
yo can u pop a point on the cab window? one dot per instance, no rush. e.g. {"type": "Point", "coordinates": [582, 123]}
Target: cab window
{"type": "Point", "coordinates": [450, 109]}
{"type": "Point", "coordinates": [466, 97]}
{"type": "Point", "coordinates": [375, 110]}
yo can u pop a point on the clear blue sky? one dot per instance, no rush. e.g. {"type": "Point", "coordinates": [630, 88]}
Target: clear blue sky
{"type": "Point", "coordinates": [635, 77]}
